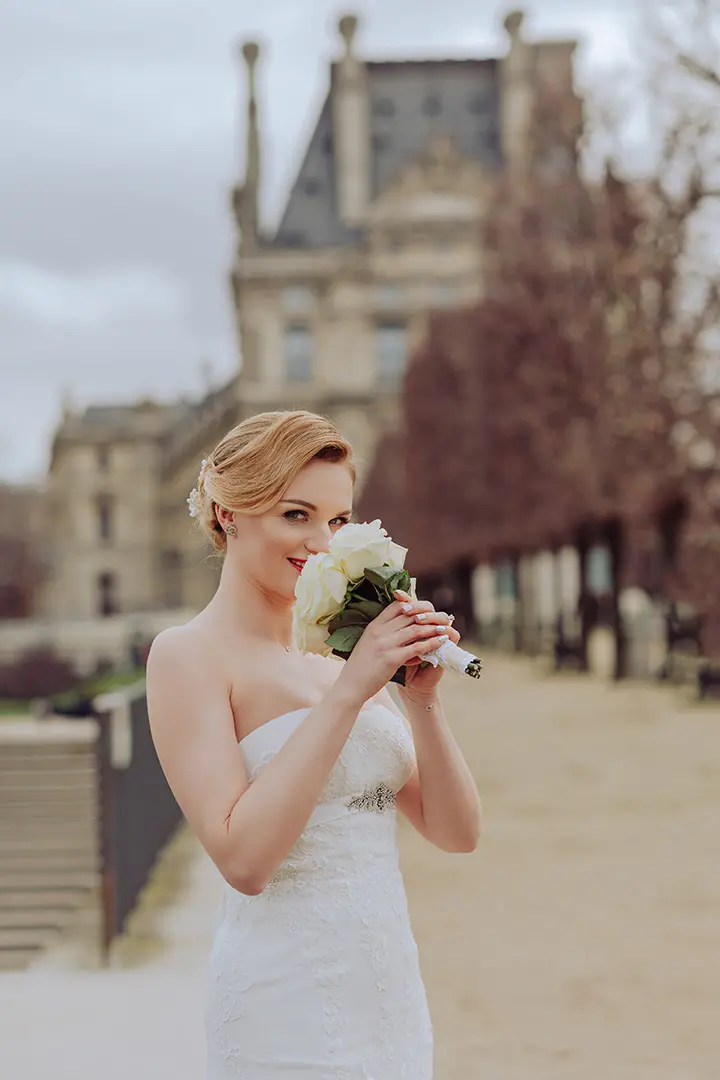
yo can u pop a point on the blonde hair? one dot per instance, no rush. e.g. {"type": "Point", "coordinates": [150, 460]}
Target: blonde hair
{"type": "Point", "coordinates": [253, 464]}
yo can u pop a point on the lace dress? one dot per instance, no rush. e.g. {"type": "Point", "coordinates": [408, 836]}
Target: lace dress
{"type": "Point", "coordinates": [317, 978]}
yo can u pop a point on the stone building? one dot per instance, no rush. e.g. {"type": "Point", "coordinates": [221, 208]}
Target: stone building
{"type": "Point", "coordinates": [381, 225]}
{"type": "Point", "coordinates": [23, 549]}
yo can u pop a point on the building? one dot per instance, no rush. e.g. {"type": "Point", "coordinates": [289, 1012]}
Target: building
{"type": "Point", "coordinates": [381, 225]}
{"type": "Point", "coordinates": [23, 549]}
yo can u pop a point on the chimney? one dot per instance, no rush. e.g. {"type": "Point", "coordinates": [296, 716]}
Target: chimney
{"type": "Point", "coordinates": [517, 101]}
{"type": "Point", "coordinates": [351, 128]}
{"type": "Point", "coordinates": [246, 196]}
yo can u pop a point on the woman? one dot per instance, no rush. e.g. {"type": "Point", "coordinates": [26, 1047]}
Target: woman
{"type": "Point", "coordinates": [288, 768]}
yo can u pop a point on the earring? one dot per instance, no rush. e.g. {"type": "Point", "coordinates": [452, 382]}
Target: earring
{"type": "Point", "coordinates": [231, 530]}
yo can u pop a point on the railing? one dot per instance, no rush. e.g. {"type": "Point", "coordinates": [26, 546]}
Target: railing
{"type": "Point", "coordinates": [138, 812]}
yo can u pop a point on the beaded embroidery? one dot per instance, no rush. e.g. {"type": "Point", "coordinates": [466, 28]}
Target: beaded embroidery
{"type": "Point", "coordinates": [378, 799]}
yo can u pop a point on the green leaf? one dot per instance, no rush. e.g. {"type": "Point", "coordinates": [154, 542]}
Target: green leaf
{"type": "Point", "coordinates": [349, 617]}
{"type": "Point", "coordinates": [380, 576]}
{"type": "Point", "coordinates": [369, 608]}
{"type": "Point", "coordinates": [401, 580]}
{"type": "Point", "coordinates": [345, 639]}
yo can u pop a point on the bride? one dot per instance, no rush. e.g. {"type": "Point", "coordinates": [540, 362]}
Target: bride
{"type": "Point", "coordinates": [289, 769]}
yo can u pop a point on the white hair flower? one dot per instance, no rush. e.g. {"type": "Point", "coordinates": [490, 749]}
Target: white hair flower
{"type": "Point", "coordinates": [194, 499]}
{"type": "Point", "coordinates": [194, 502]}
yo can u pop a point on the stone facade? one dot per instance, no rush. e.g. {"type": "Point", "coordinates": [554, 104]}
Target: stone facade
{"type": "Point", "coordinates": [381, 225]}
{"type": "Point", "coordinates": [23, 549]}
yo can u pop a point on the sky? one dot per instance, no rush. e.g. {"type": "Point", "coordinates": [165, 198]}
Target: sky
{"type": "Point", "coordinates": [122, 131]}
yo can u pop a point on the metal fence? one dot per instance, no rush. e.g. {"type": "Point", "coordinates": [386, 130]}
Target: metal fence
{"type": "Point", "coordinates": [138, 812]}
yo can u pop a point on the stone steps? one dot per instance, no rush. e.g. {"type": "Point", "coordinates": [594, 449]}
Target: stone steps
{"type": "Point", "coordinates": [46, 877]}
{"type": "Point", "coordinates": [19, 957]}
{"type": "Point", "coordinates": [58, 899]}
{"type": "Point", "coordinates": [49, 849]}
{"type": "Point", "coordinates": [14, 938]}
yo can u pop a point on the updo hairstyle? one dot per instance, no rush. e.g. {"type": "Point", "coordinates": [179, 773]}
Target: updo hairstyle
{"type": "Point", "coordinates": [253, 464]}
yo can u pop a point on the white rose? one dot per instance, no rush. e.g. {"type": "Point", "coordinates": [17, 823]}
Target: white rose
{"type": "Point", "coordinates": [310, 638]}
{"type": "Point", "coordinates": [358, 547]}
{"type": "Point", "coordinates": [320, 589]}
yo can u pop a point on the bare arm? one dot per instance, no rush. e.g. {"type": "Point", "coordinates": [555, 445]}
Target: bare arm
{"type": "Point", "coordinates": [440, 799]}
{"type": "Point", "coordinates": [247, 829]}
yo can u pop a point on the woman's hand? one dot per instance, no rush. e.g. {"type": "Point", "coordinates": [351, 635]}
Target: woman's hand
{"type": "Point", "coordinates": [392, 640]}
{"type": "Point", "coordinates": [421, 683]}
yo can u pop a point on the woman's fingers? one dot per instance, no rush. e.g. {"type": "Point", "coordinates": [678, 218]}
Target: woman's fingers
{"type": "Point", "coordinates": [418, 649]}
{"type": "Point", "coordinates": [412, 632]}
{"type": "Point", "coordinates": [428, 617]}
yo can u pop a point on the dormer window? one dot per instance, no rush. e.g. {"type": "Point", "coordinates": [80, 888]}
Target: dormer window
{"type": "Point", "coordinates": [432, 105]}
{"type": "Point", "coordinates": [384, 107]}
{"type": "Point", "coordinates": [479, 104]}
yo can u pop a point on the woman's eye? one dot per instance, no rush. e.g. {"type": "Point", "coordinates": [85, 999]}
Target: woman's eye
{"type": "Point", "coordinates": [290, 516]}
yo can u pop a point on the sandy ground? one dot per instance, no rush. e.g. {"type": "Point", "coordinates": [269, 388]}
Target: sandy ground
{"type": "Point", "coordinates": [581, 940]}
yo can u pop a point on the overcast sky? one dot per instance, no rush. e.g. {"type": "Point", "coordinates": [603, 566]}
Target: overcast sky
{"type": "Point", "coordinates": [121, 131]}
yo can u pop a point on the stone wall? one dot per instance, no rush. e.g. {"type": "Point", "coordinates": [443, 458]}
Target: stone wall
{"type": "Point", "coordinates": [86, 642]}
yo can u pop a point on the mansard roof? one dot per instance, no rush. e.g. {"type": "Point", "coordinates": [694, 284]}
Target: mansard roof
{"type": "Point", "coordinates": [410, 103]}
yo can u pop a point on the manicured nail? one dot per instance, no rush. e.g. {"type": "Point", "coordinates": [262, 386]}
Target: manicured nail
{"type": "Point", "coordinates": [421, 617]}
{"type": "Point", "coordinates": [407, 608]}
{"type": "Point", "coordinates": [439, 630]}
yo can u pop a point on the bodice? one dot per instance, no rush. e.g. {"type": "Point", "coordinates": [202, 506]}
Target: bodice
{"type": "Point", "coordinates": [354, 820]}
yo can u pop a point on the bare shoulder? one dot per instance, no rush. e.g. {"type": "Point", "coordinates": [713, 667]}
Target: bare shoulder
{"type": "Point", "coordinates": [170, 644]}
{"type": "Point", "coordinates": [182, 668]}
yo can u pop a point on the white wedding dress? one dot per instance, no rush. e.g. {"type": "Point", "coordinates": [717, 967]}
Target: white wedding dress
{"type": "Point", "coordinates": [317, 977]}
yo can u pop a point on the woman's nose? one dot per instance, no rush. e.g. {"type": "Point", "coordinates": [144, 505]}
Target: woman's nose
{"type": "Point", "coordinates": [319, 541]}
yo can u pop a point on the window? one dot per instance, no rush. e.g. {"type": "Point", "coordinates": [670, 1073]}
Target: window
{"type": "Point", "coordinates": [443, 293]}
{"type": "Point", "coordinates": [479, 104]}
{"type": "Point", "coordinates": [294, 238]}
{"type": "Point", "coordinates": [107, 595]}
{"type": "Point", "coordinates": [391, 344]}
{"type": "Point", "coordinates": [298, 353]}
{"type": "Point", "coordinates": [172, 578]}
{"type": "Point", "coordinates": [388, 296]}
{"type": "Point", "coordinates": [296, 298]}
{"type": "Point", "coordinates": [432, 105]}
{"type": "Point", "coordinates": [384, 107]}
{"type": "Point", "coordinates": [105, 517]}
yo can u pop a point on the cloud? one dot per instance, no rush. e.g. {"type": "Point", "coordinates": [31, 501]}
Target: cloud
{"type": "Point", "coordinates": [86, 301]}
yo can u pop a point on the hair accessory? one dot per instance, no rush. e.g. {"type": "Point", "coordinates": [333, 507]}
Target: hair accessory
{"type": "Point", "coordinates": [194, 499]}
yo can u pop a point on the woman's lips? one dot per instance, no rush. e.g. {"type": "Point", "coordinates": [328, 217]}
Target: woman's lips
{"type": "Point", "coordinates": [297, 563]}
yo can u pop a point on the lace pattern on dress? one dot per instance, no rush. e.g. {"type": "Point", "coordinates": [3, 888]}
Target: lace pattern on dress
{"type": "Point", "coordinates": [338, 909]}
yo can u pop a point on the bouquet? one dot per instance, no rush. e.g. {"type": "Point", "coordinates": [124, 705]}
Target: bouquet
{"type": "Point", "coordinates": [340, 591]}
